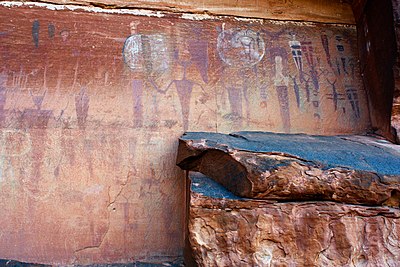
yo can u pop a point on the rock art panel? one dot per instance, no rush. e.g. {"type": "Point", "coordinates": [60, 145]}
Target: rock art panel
{"type": "Point", "coordinates": [92, 105]}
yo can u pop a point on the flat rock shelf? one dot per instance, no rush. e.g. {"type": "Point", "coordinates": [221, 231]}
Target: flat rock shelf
{"type": "Point", "coordinates": [345, 169]}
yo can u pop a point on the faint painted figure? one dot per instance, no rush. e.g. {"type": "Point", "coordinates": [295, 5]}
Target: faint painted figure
{"type": "Point", "coordinates": [36, 118]}
{"type": "Point", "coordinates": [51, 29]}
{"type": "Point", "coordinates": [198, 49]}
{"type": "Point", "coordinates": [235, 91]}
{"type": "Point", "coordinates": [240, 47]}
{"type": "Point", "coordinates": [64, 34]}
{"type": "Point", "coordinates": [137, 92]}
{"type": "Point", "coordinates": [307, 89]}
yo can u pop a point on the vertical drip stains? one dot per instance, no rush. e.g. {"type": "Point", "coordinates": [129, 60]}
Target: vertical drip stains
{"type": "Point", "coordinates": [353, 98]}
{"type": "Point", "coordinates": [137, 93]}
{"type": "Point", "coordinates": [82, 107]}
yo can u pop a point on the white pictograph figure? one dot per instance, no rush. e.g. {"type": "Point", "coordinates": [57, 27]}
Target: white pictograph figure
{"type": "Point", "coordinates": [295, 47]}
{"type": "Point", "coordinates": [240, 47]}
{"type": "Point", "coordinates": [132, 51]}
{"type": "Point", "coordinates": [280, 79]}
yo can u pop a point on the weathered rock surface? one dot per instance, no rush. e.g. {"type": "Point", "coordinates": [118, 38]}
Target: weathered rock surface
{"type": "Point", "coordinates": [225, 230]}
{"type": "Point", "coordinates": [297, 167]}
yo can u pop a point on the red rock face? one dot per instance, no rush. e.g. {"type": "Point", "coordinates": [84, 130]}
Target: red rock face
{"type": "Point", "coordinates": [92, 105]}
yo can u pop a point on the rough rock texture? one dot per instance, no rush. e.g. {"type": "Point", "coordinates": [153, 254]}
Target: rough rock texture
{"type": "Point", "coordinates": [296, 167]}
{"type": "Point", "coordinates": [377, 50]}
{"type": "Point", "coordinates": [329, 11]}
{"type": "Point", "coordinates": [225, 230]}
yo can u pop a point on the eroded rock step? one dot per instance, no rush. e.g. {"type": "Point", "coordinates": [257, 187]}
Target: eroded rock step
{"type": "Point", "coordinates": [226, 230]}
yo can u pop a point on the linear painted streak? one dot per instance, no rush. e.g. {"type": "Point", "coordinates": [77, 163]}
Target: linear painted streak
{"type": "Point", "coordinates": [307, 89]}
{"type": "Point", "coordinates": [352, 97]}
{"type": "Point", "coordinates": [282, 92]}
{"type": "Point", "coordinates": [35, 33]}
{"type": "Point", "coordinates": [137, 90]}
{"type": "Point", "coordinates": [296, 90]}
{"type": "Point", "coordinates": [335, 96]}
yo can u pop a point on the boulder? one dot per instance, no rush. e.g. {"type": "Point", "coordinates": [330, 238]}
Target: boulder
{"type": "Point", "coordinates": [297, 167]}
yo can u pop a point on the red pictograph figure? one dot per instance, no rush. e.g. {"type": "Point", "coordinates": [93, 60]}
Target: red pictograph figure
{"type": "Point", "coordinates": [335, 96]}
{"type": "Point", "coordinates": [325, 44]}
{"type": "Point", "coordinates": [184, 86]}
{"type": "Point", "coordinates": [341, 61]}
{"type": "Point", "coordinates": [308, 52]}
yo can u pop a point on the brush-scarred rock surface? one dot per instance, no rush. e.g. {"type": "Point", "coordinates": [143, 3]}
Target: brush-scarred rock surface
{"type": "Point", "coordinates": [225, 230]}
{"type": "Point", "coordinates": [346, 169]}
